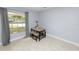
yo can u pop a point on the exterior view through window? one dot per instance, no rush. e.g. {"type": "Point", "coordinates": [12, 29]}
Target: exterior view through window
{"type": "Point", "coordinates": [16, 24]}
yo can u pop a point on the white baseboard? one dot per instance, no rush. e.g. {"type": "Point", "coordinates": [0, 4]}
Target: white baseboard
{"type": "Point", "coordinates": [17, 38]}
{"type": "Point", "coordinates": [59, 38]}
{"type": "Point", "coordinates": [11, 40]}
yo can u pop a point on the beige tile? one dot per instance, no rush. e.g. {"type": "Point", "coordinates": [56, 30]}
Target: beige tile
{"type": "Point", "coordinates": [46, 44]}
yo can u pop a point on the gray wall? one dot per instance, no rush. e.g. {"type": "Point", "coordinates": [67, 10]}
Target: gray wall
{"type": "Point", "coordinates": [0, 28]}
{"type": "Point", "coordinates": [61, 22]}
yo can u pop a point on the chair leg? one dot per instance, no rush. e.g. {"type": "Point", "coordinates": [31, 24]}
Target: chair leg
{"type": "Point", "coordinates": [39, 38]}
{"type": "Point", "coordinates": [36, 39]}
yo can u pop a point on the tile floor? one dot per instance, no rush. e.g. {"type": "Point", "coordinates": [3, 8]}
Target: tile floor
{"type": "Point", "coordinates": [46, 44]}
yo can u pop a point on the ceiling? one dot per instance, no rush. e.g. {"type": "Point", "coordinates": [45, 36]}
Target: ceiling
{"type": "Point", "coordinates": [37, 9]}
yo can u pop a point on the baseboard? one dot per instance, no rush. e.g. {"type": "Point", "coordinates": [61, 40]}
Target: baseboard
{"type": "Point", "coordinates": [11, 40]}
{"type": "Point", "coordinates": [17, 38]}
{"type": "Point", "coordinates": [59, 38]}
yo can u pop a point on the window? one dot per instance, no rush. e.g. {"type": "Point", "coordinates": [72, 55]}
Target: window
{"type": "Point", "coordinates": [16, 22]}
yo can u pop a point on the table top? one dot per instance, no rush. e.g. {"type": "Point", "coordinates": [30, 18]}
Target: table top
{"type": "Point", "coordinates": [38, 29]}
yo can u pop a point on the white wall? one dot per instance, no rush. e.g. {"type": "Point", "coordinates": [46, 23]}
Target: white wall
{"type": "Point", "coordinates": [33, 16]}
{"type": "Point", "coordinates": [61, 22]}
